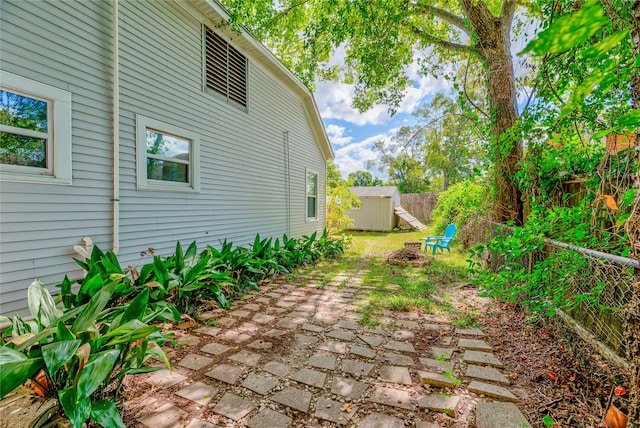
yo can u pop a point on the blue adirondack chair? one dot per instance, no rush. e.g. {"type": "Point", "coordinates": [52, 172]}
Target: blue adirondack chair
{"type": "Point", "coordinates": [441, 242]}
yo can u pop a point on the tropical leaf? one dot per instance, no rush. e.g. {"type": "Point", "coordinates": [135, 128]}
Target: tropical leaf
{"type": "Point", "coordinates": [106, 414]}
{"type": "Point", "coordinates": [77, 410]}
{"type": "Point", "coordinates": [15, 369]}
{"type": "Point", "coordinates": [95, 372]}
{"type": "Point", "coordinates": [56, 354]}
{"type": "Point", "coordinates": [41, 304]}
{"type": "Point", "coordinates": [89, 315]}
{"type": "Point", "coordinates": [137, 308]}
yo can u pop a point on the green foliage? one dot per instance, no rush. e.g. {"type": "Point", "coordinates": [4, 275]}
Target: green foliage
{"type": "Point", "coordinates": [339, 200]}
{"type": "Point", "coordinates": [461, 204]}
{"type": "Point", "coordinates": [363, 178]}
{"type": "Point", "coordinates": [80, 355]}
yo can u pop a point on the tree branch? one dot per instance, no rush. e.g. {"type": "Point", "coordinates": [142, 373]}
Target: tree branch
{"type": "Point", "coordinates": [445, 15]}
{"type": "Point", "coordinates": [442, 43]}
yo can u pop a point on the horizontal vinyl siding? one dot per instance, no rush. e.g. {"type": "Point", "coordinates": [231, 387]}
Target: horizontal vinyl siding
{"type": "Point", "coordinates": [242, 157]}
{"type": "Point", "coordinates": [65, 44]}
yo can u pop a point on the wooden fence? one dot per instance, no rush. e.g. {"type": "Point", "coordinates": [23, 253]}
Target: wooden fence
{"type": "Point", "coordinates": [419, 205]}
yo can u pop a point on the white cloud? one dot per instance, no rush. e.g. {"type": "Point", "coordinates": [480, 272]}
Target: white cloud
{"type": "Point", "coordinates": [354, 156]}
{"type": "Point", "coordinates": [336, 135]}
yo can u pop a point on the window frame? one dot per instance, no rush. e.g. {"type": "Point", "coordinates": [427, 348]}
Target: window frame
{"type": "Point", "coordinates": [309, 172]}
{"type": "Point", "coordinates": [143, 124]}
{"type": "Point", "coordinates": [58, 147]}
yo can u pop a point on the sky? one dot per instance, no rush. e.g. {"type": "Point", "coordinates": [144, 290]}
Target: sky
{"type": "Point", "coordinates": [352, 134]}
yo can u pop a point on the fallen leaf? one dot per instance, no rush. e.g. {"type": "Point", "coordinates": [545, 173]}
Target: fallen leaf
{"type": "Point", "coordinates": [512, 376]}
{"type": "Point", "coordinates": [615, 418]}
{"type": "Point", "coordinates": [573, 377]}
{"type": "Point", "coordinates": [552, 375]}
{"type": "Point", "coordinates": [346, 408]}
{"type": "Point", "coordinates": [620, 391]}
{"type": "Point", "coordinates": [610, 202]}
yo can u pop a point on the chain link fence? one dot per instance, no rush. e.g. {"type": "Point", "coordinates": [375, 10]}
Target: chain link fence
{"type": "Point", "coordinates": [598, 284]}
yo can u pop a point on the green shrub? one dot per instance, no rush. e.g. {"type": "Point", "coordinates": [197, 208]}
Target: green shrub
{"type": "Point", "coordinates": [460, 204]}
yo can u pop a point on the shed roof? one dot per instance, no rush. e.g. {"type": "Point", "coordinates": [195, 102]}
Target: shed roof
{"type": "Point", "coordinates": [374, 191]}
{"type": "Point", "coordinates": [248, 41]}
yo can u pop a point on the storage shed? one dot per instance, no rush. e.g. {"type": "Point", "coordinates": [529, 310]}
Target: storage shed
{"type": "Point", "coordinates": [377, 208]}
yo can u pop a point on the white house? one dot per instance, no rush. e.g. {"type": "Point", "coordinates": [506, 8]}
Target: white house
{"type": "Point", "coordinates": [139, 123]}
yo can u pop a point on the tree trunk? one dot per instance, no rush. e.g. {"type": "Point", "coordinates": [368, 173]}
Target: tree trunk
{"type": "Point", "coordinates": [632, 227]}
{"type": "Point", "coordinates": [492, 43]}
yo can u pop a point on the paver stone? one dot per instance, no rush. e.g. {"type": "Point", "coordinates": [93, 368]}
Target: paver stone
{"type": "Point", "coordinates": [398, 359]}
{"type": "Point", "coordinates": [323, 361]}
{"type": "Point", "coordinates": [403, 335]}
{"type": "Point", "coordinates": [198, 392]}
{"type": "Point", "coordinates": [407, 324]}
{"type": "Point", "coordinates": [309, 377]}
{"type": "Point", "coordinates": [167, 416]}
{"type": "Point", "coordinates": [251, 307]}
{"type": "Point", "coordinates": [356, 367]}
{"type": "Point", "coordinates": [165, 378]}
{"type": "Point", "coordinates": [441, 353]}
{"type": "Point", "coordinates": [441, 403]}
{"type": "Point", "coordinates": [349, 325]}
{"type": "Point", "coordinates": [233, 407]}
{"type": "Point", "coordinates": [199, 423]}
{"type": "Point", "coordinates": [226, 373]}
{"type": "Point", "coordinates": [348, 388]}
{"type": "Point", "coordinates": [491, 390]}
{"type": "Point", "coordinates": [474, 332]}
{"type": "Point", "coordinates": [334, 411]}
{"type": "Point", "coordinates": [503, 415]}
{"type": "Point", "coordinates": [295, 398]}
{"type": "Point", "coordinates": [268, 418]}
{"type": "Point", "coordinates": [188, 340]}
{"type": "Point", "coordinates": [227, 322]}
{"type": "Point", "coordinates": [260, 383]}
{"type": "Point", "coordinates": [276, 368]}
{"type": "Point", "coordinates": [395, 374]}
{"type": "Point", "coordinates": [260, 344]}
{"type": "Point", "coordinates": [436, 379]}
{"type": "Point", "coordinates": [474, 345]}
{"type": "Point", "coordinates": [239, 313]}
{"type": "Point", "coordinates": [246, 357]}
{"type": "Point", "coordinates": [235, 336]}
{"type": "Point", "coordinates": [215, 348]}
{"type": "Point", "coordinates": [479, 357]}
{"type": "Point", "coordinates": [195, 361]}
{"type": "Point", "coordinates": [275, 333]}
{"type": "Point", "coordinates": [372, 341]}
{"type": "Point", "coordinates": [394, 345]}
{"type": "Point", "coordinates": [208, 330]}
{"type": "Point", "coordinates": [486, 373]}
{"type": "Point", "coordinates": [312, 328]}
{"type": "Point", "coordinates": [341, 335]}
{"type": "Point", "coordinates": [305, 340]}
{"type": "Point", "coordinates": [391, 397]}
{"type": "Point", "coordinates": [362, 351]}
{"type": "Point", "coordinates": [289, 323]}
{"type": "Point", "coordinates": [378, 420]}
{"type": "Point", "coordinates": [333, 346]}
{"type": "Point", "coordinates": [440, 366]}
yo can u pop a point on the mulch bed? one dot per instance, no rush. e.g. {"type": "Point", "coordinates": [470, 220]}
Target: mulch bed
{"type": "Point", "coordinates": [561, 376]}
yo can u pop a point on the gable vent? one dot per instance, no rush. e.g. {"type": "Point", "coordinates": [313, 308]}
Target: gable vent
{"type": "Point", "coordinates": [226, 69]}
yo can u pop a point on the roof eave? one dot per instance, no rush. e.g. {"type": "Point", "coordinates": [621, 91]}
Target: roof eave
{"type": "Point", "coordinates": [214, 10]}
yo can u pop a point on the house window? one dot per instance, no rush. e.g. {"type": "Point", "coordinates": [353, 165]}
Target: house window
{"type": "Point", "coordinates": [225, 69]}
{"type": "Point", "coordinates": [312, 195]}
{"type": "Point", "coordinates": [168, 156]}
{"type": "Point", "coordinates": [35, 131]}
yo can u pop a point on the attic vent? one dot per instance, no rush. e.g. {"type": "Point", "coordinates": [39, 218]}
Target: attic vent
{"type": "Point", "coordinates": [226, 69]}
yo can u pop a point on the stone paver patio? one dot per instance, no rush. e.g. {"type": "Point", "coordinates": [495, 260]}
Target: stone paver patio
{"type": "Point", "coordinates": [296, 356]}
